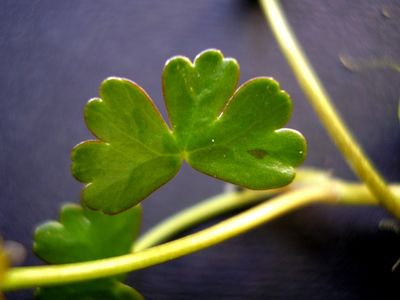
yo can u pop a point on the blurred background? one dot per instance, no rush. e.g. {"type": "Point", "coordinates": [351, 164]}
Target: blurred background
{"type": "Point", "coordinates": [53, 56]}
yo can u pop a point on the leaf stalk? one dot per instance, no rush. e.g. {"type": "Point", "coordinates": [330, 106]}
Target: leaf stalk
{"type": "Point", "coordinates": [26, 277]}
{"type": "Point", "coordinates": [309, 187]}
{"type": "Point", "coordinates": [322, 104]}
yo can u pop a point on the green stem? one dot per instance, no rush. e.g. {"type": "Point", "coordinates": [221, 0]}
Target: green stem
{"type": "Point", "coordinates": [351, 193]}
{"type": "Point", "coordinates": [310, 186]}
{"type": "Point", "coordinates": [25, 277]}
{"type": "Point", "coordinates": [322, 104]}
{"type": "Point", "coordinates": [199, 213]}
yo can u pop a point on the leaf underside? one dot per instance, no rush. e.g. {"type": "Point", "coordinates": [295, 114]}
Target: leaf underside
{"type": "Point", "coordinates": [232, 134]}
{"type": "Point", "coordinates": [84, 235]}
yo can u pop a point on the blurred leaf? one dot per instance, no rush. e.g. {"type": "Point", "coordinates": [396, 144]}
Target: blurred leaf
{"type": "Point", "coordinates": [234, 136]}
{"type": "Point", "coordinates": [398, 111]}
{"type": "Point", "coordinates": [92, 290]}
{"type": "Point", "coordinates": [3, 264]}
{"type": "Point", "coordinates": [84, 235]}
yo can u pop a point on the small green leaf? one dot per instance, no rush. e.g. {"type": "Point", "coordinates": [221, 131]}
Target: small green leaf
{"type": "Point", "coordinates": [137, 152]}
{"type": "Point", "coordinates": [234, 136]}
{"type": "Point", "coordinates": [93, 290]}
{"type": "Point", "coordinates": [84, 235]}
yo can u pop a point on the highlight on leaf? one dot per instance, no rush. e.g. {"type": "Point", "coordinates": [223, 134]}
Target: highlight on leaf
{"type": "Point", "coordinates": [84, 235]}
{"type": "Point", "coordinates": [232, 134]}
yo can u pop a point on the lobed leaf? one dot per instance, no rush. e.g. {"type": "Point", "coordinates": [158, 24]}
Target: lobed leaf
{"type": "Point", "coordinates": [245, 145]}
{"type": "Point", "coordinates": [195, 94]}
{"type": "Point", "coordinates": [84, 235]}
{"type": "Point", "coordinates": [136, 153]}
{"type": "Point", "coordinates": [233, 135]}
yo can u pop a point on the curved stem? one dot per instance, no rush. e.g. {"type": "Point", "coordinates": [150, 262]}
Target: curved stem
{"type": "Point", "coordinates": [310, 186]}
{"type": "Point", "coordinates": [322, 104]}
{"type": "Point", "coordinates": [199, 213]}
{"type": "Point", "coordinates": [26, 277]}
{"type": "Point", "coordinates": [349, 193]}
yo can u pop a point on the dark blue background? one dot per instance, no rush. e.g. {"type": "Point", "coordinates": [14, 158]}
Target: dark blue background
{"type": "Point", "coordinates": [54, 54]}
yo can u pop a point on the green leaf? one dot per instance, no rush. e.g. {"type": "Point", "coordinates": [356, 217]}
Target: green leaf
{"type": "Point", "coordinates": [137, 152]}
{"type": "Point", "coordinates": [246, 144]}
{"type": "Point", "coordinates": [233, 135]}
{"type": "Point", "coordinates": [196, 94]}
{"type": "Point", "coordinates": [93, 290]}
{"type": "Point", "coordinates": [84, 235]}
